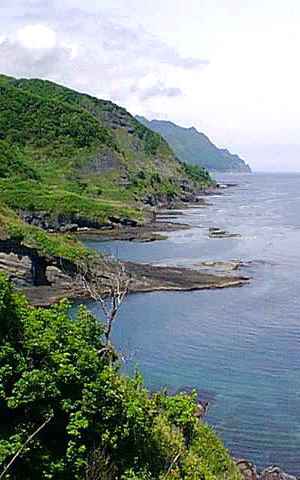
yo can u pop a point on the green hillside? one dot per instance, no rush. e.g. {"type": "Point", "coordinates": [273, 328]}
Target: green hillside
{"type": "Point", "coordinates": [195, 148]}
{"type": "Point", "coordinates": [69, 160]}
{"type": "Point", "coordinates": [76, 156]}
{"type": "Point", "coordinates": [72, 154]}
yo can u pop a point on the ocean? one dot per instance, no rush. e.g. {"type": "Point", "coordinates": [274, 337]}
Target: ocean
{"type": "Point", "coordinates": [239, 347]}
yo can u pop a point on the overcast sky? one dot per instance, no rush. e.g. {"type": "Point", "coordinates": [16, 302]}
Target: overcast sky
{"type": "Point", "coordinates": [231, 68]}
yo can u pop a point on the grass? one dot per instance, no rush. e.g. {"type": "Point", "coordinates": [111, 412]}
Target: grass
{"type": "Point", "coordinates": [49, 245]}
{"type": "Point", "coordinates": [33, 196]}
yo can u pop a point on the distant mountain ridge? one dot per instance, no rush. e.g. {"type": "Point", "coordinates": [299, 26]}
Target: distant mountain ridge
{"type": "Point", "coordinates": [195, 147]}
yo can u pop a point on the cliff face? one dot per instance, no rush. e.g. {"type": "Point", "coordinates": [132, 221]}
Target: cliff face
{"type": "Point", "coordinates": [195, 148]}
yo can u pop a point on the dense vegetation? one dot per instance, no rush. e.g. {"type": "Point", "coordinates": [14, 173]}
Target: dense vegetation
{"type": "Point", "coordinates": [96, 424]}
{"type": "Point", "coordinates": [195, 148]}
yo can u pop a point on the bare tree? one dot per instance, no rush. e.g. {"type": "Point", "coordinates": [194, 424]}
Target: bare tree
{"type": "Point", "coordinates": [108, 285]}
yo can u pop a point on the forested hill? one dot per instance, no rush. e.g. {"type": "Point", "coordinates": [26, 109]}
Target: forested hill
{"type": "Point", "coordinates": [196, 148]}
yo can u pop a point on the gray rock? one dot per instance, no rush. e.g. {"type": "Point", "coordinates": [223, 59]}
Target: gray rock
{"type": "Point", "coordinates": [201, 409]}
{"type": "Point", "coordinates": [247, 469]}
{"type": "Point", "coordinates": [275, 473]}
{"type": "Point", "coordinates": [69, 227]}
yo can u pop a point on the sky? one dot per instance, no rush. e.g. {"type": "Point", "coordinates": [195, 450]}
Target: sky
{"type": "Point", "coordinates": [231, 68]}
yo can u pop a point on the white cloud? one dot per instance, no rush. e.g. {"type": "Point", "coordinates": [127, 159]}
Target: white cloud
{"type": "Point", "coordinates": [102, 54]}
{"type": "Point", "coordinates": [36, 36]}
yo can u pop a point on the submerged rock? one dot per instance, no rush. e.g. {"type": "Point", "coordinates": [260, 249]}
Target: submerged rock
{"type": "Point", "coordinates": [222, 265]}
{"type": "Point", "coordinates": [215, 232]}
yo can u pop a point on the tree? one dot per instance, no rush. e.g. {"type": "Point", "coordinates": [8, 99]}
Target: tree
{"type": "Point", "coordinates": [66, 411]}
{"type": "Point", "coordinates": [108, 291]}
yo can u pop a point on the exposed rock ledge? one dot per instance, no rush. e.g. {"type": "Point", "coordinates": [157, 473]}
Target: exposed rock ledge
{"type": "Point", "coordinates": [143, 278]}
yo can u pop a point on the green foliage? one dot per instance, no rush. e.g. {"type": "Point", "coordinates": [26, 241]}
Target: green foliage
{"type": "Point", "coordinates": [151, 139]}
{"type": "Point", "coordinates": [33, 196]}
{"type": "Point", "coordinates": [131, 474]}
{"type": "Point", "coordinates": [26, 118]}
{"type": "Point", "coordinates": [99, 420]}
{"type": "Point", "coordinates": [13, 162]}
{"type": "Point", "coordinates": [151, 182]}
{"type": "Point", "coordinates": [197, 173]}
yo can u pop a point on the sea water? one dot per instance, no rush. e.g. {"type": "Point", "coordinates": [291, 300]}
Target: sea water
{"type": "Point", "coordinates": [240, 347]}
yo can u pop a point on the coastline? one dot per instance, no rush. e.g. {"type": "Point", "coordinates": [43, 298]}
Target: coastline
{"type": "Point", "coordinates": [149, 278]}
{"type": "Point", "coordinates": [143, 277]}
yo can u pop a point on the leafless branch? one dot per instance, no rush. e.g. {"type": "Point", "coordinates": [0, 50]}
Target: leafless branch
{"type": "Point", "coordinates": [14, 458]}
{"type": "Point", "coordinates": [107, 289]}
{"type": "Point", "coordinates": [173, 463]}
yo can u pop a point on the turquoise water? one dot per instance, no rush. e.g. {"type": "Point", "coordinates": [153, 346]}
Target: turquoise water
{"type": "Point", "coordinates": [239, 347]}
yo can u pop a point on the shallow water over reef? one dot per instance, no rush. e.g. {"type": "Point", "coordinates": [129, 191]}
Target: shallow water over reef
{"type": "Point", "coordinates": [240, 347]}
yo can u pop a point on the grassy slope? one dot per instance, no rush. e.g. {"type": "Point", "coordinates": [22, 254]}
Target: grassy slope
{"type": "Point", "coordinates": [53, 140]}
{"type": "Point", "coordinates": [131, 147]}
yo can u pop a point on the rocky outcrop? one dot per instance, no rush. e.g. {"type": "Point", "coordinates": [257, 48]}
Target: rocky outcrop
{"type": "Point", "coordinates": [247, 469]}
{"type": "Point", "coordinates": [187, 195]}
{"type": "Point", "coordinates": [49, 280]}
{"type": "Point", "coordinates": [38, 263]}
{"type": "Point", "coordinates": [222, 265]}
{"type": "Point", "coordinates": [249, 472]}
{"type": "Point", "coordinates": [275, 473]}
{"type": "Point", "coordinates": [72, 223]}
{"type": "Point", "coordinates": [215, 232]}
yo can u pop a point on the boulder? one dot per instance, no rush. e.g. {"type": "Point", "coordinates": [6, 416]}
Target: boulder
{"type": "Point", "coordinates": [247, 469]}
{"type": "Point", "coordinates": [275, 473]}
{"type": "Point", "coordinates": [69, 227]}
{"type": "Point", "coordinates": [201, 410]}
{"type": "Point", "coordinates": [222, 265]}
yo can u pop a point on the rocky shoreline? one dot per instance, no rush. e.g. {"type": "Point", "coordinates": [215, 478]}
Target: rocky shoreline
{"type": "Point", "coordinates": [149, 232]}
{"type": "Point", "coordinates": [76, 223]}
{"type": "Point", "coordinates": [143, 278]}
{"type": "Point", "coordinates": [249, 472]}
